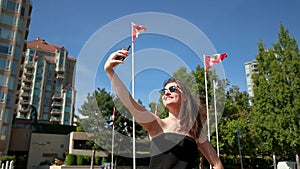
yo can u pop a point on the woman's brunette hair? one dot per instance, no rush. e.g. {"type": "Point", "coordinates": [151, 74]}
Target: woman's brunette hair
{"type": "Point", "coordinates": [190, 110]}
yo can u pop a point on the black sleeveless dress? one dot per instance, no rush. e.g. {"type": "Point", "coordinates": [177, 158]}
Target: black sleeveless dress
{"type": "Point", "coordinates": [173, 151]}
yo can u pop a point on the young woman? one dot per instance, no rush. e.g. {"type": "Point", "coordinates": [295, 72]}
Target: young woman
{"type": "Point", "coordinates": [175, 139]}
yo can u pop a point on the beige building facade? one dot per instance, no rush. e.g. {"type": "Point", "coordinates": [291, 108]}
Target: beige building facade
{"type": "Point", "coordinates": [14, 29]}
{"type": "Point", "coordinates": [47, 90]}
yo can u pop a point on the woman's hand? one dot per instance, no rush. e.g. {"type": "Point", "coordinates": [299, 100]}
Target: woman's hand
{"type": "Point", "coordinates": [111, 62]}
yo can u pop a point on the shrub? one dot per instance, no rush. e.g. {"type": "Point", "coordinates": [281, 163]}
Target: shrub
{"type": "Point", "coordinates": [87, 160]}
{"type": "Point", "coordinates": [71, 159]}
{"type": "Point", "coordinates": [80, 159]}
{"type": "Point", "coordinates": [7, 158]}
{"type": "Point", "coordinates": [98, 160]}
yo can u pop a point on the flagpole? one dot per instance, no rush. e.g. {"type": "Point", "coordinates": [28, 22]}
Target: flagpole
{"type": "Point", "coordinates": [132, 90]}
{"type": "Point", "coordinates": [206, 97]}
{"type": "Point", "coordinates": [112, 147]}
{"type": "Point", "coordinates": [113, 137]}
{"type": "Point", "coordinates": [216, 117]}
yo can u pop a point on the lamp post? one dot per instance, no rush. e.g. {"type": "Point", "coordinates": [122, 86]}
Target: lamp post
{"type": "Point", "coordinates": [239, 134]}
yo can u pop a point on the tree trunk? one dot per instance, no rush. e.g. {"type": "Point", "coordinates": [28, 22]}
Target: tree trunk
{"type": "Point", "coordinates": [274, 161]}
{"type": "Point", "coordinates": [92, 158]}
{"type": "Point", "coordinates": [297, 161]}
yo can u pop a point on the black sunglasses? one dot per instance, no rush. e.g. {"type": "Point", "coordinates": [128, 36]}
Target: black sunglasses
{"type": "Point", "coordinates": [171, 89]}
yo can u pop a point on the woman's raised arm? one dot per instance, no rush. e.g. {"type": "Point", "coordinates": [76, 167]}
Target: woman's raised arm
{"type": "Point", "coordinates": [144, 117]}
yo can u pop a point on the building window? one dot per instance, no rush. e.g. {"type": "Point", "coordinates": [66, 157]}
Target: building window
{"type": "Point", "coordinates": [2, 96]}
{"type": "Point", "coordinates": [22, 11]}
{"type": "Point", "coordinates": [31, 53]}
{"type": "Point", "coordinates": [14, 68]}
{"type": "Point", "coordinates": [49, 87]}
{"type": "Point", "coordinates": [8, 19]}
{"type": "Point", "coordinates": [67, 116]}
{"type": "Point", "coordinates": [45, 117]}
{"type": "Point", "coordinates": [48, 95]}
{"type": "Point", "coordinates": [9, 99]}
{"type": "Point", "coordinates": [7, 34]}
{"type": "Point", "coordinates": [21, 24]}
{"type": "Point", "coordinates": [6, 116]}
{"type": "Point", "coordinates": [36, 100]}
{"type": "Point", "coordinates": [4, 64]}
{"type": "Point", "coordinates": [5, 48]}
{"type": "Point", "coordinates": [36, 92]}
{"type": "Point", "coordinates": [47, 102]}
{"type": "Point", "coordinates": [16, 54]}
{"type": "Point", "coordinates": [3, 133]}
{"type": "Point", "coordinates": [67, 109]}
{"type": "Point", "coordinates": [11, 83]}
{"type": "Point", "coordinates": [29, 58]}
{"type": "Point", "coordinates": [3, 80]}
{"type": "Point", "coordinates": [46, 109]}
{"type": "Point", "coordinates": [39, 71]}
{"type": "Point", "coordinates": [69, 94]}
{"type": "Point", "coordinates": [1, 115]}
{"type": "Point", "coordinates": [18, 38]}
{"type": "Point", "coordinates": [37, 85]}
{"type": "Point", "coordinates": [58, 88]}
{"type": "Point", "coordinates": [10, 5]}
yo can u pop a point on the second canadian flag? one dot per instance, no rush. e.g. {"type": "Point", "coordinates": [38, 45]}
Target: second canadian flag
{"type": "Point", "coordinates": [214, 59]}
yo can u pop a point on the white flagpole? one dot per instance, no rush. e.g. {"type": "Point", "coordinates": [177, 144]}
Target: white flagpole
{"type": "Point", "coordinates": [216, 117]}
{"type": "Point", "coordinates": [132, 90]}
{"type": "Point", "coordinates": [112, 145]}
{"type": "Point", "coordinates": [206, 100]}
{"type": "Point", "coordinates": [206, 96]}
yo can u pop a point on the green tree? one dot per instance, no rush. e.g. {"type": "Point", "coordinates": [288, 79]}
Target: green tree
{"type": "Point", "coordinates": [234, 119]}
{"type": "Point", "coordinates": [275, 116]}
{"type": "Point", "coordinates": [96, 120]}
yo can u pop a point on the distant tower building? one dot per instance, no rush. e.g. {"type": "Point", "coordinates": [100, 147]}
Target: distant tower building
{"type": "Point", "coordinates": [14, 24]}
{"type": "Point", "coordinates": [250, 68]}
{"type": "Point", "coordinates": [47, 83]}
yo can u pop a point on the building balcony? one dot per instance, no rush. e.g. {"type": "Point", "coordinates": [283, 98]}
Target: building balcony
{"type": "Point", "coordinates": [25, 94]}
{"type": "Point", "coordinates": [29, 65]}
{"type": "Point", "coordinates": [24, 102]}
{"type": "Point", "coordinates": [60, 70]}
{"type": "Point", "coordinates": [27, 79]}
{"type": "Point", "coordinates": [56, 104]}
{"type": "Point", "coordinates": [24, 110]}
{"type": "Point", "coordinates": [26, 87]}
{"type": "Point", "coordinates": [60, 76]}
{"type": "Point", "coordinates": [57, 96]}
{"type": "Point", "coordinates": [55, 111]}
{"type": "Point", "coordinates": [55, 119]}
{"type": "Point", "coordinates": [28, 73]}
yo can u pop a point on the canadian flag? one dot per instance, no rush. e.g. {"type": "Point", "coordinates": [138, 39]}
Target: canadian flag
{"type": "Point", "coordinates": [136, 30]}
{"type": "Point", "coordinates": [112, 117]}
{"type": "Point", "coordinates": [214, 59]}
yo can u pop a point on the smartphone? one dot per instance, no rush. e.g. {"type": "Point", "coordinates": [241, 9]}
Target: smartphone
{"type": "Point", "coordinates": [121, 57]}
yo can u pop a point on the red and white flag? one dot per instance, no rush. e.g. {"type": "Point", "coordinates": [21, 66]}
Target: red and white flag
{"type": "Point", "coordinates": [112, 117]}
{"type": "Point", "coordinates": [214, 59]}
{"type": "Point", "coordinates": [136, 30]}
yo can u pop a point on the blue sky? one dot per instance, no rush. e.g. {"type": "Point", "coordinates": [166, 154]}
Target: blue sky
{"type": "Point", "coordinates": [232, 26]}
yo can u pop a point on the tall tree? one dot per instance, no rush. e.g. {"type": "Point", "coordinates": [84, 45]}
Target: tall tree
{"type": "Point", "coordinates": [275, 117]}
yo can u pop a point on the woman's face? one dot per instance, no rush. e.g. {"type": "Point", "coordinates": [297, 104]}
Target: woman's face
{"type": "Point", "coordinates": [172, 95]}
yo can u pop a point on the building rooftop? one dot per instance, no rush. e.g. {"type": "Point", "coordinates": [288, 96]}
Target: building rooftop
{"type": "Point", "coordinates": [42, 44]}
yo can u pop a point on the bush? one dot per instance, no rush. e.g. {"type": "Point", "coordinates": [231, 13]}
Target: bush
{"type": "Point", "coordinates": [87, 160]}
{"type": "Point", "coordinates": [7, 158]}
{"type": "Point", "coordinates": [80, 159]}
{"type": "Point", "coordinates": [98, 160]}
{"type": "Point", "coordinates": [71, 159]}
{"type": "Point", "coordinates": [104, 160]}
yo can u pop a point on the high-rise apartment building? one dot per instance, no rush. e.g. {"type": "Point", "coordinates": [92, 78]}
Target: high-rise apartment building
{"type": "Point", "coordinates": [47, 84]}
{"type": "Point", "coordinates": [14, 24]}
{"type": "Point", "coordinates": [250, 68]}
